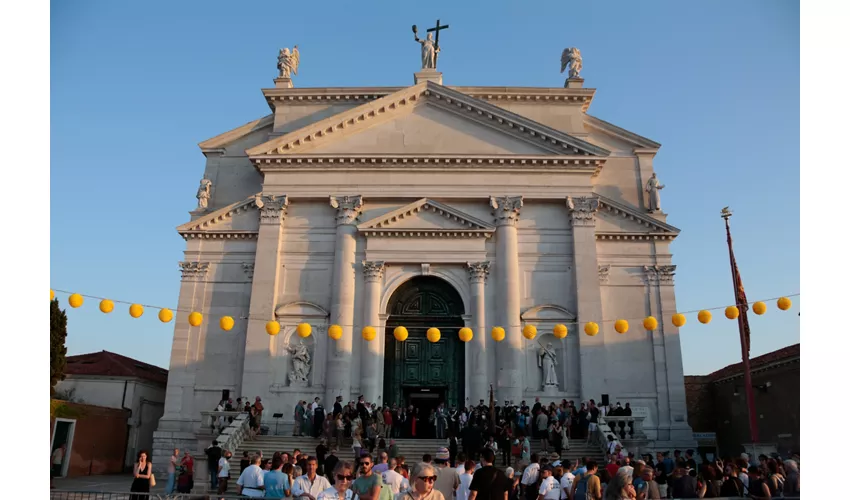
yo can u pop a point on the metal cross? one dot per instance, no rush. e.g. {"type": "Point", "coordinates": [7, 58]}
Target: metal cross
{"type": "Point", "coordinates": [436, 29]}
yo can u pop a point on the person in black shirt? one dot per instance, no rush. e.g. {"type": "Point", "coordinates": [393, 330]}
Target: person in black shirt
{"type": "Point", "coordinates": [732, 486]}
{"type": "Point", "coordinates": [488, 482]}
{"type": "Point", "coordinates": [330, 465]}
{"type": "Point", "coordinates": [338, 406]}
{"type": "Point", "coordinates": [690, 463]}
{"type": "Point", "coordinates": [321, 451]}
{"type": "Point", "coordinates": [213, 455]}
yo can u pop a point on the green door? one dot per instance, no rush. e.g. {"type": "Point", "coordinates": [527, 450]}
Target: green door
{"type": "Point", "coordinates": [417, 365]}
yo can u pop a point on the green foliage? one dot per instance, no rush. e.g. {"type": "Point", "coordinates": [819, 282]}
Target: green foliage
{"type": "Point", "coordinates": [58, 332]}
{"type": "Point", "coordinates": [58, 409]}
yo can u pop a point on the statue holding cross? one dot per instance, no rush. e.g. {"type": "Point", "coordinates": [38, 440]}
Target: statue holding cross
{"type": "Point", "coordinates": [430, 47]}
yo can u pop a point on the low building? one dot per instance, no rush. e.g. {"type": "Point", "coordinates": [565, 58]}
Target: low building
{"type": "Point", "coordinates": [717, 403]}
{"type": "Point", "coordinates": [111, 380]}
{"type": "Point", "coordinates": [94, 439]}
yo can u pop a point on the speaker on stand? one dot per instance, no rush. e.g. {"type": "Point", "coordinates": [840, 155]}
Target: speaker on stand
{"type": "Point", "coordinates": [277, 417]}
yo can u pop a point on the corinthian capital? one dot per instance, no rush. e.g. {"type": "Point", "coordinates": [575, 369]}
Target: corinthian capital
{"type": "Point", "coordinates": [506, 209]}
{"type": "Point", "coordinates": [373, 270]}
{"type": "Point", "coordinates": [348, 208]}
{"type": "Point", "coordinates": [583, 210]}
{"type": "Point", "coordinates": [478, 271]}
{"type": "Point", "coordinates": [194, 271]}
{"type": "Point", "coordinates": [272, 208]}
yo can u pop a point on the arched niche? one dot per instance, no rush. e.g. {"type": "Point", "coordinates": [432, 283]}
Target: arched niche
{"type": "Point", "coordinates": [285, 345]}
{"type": "Point", "coordinates": [544, 317]}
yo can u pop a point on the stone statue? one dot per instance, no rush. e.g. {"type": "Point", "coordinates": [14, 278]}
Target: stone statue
{"type": "Point", "coordinates": [203, 195]}
{"type": "Point", "coordinates": [429, 52]}
{"type": "Point", "coordinates": [300, 364]}
{"type": "Point", "coordinates": [571, 57]}
{"type": "Point", "coordinates": [547, 361]}
{"type": "Point", "coordinates": [653, 187]}
{"type": "Point", "coordinates": [287, 63]}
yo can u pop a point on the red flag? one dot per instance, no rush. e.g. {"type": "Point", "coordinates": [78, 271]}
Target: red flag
{"type": "Point", "coordinates": [740, 294]}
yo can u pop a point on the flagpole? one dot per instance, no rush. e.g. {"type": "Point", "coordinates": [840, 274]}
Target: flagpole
{"type": "Point", "coordinates": [742, 332]}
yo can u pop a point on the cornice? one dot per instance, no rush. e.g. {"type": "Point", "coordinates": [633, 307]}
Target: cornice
{"type": "Point", "coordinates": [428, 233]}
{"type": "Point", "coordinates": [631, 236]}
{"type": "Point", "coordinates": [360, 95]}
{"type": "Point", "coordinates": [219, 235]}
{"type": "Point", "coordinates": [635, 215]}
{"type": "Point", "coordinates": [216, 145]}
{"type": "Point", "coordinates": [531, 163]}
{"type": "Point", "coordinates": [642, 144]}
{"type": "Point", "coordinates": [209, 220]}
{"type": "Point", "coordinates": [478, 110]}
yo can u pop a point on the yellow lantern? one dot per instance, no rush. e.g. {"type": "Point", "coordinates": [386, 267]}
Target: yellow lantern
{"type": "Point", "coordinates": [560, 331]}
{"type": "Point", "coordinates": [679, 320]}
{"type": "Point", "coordinates": [52, 295]}
{"type": "Point", "coordinates": [650, 323]}
{"type": "Point", "coordinates": [75, 300]}
{"type": "Point", "coordinates": [304, 330]}
{"type": "Point", "coordinates": [704, 317]}
{"type": "Point", "coordinates": [196, 318]}
{"type": "Point", "coordinates": [226, 323]}
{"type": "Point", "coordinates": [465, 334]}
{"type": "Point", "coordinates": [400, 333]}
{"type": "Point", "coordinates": [529, 332]}
{"type": "Point", "coordinates": [621, 326]}
{"type": "Point", "coordinates": [732, 312]}
{"type": "Point", "coordinates": [165, 315]}
{"type": "Point", "coordinates": [783, 303]}
{"type": "Point", "coordinates": [433, 334]}
{"type": "Point", "coordinates": [368, 333]}
{"type": "Point", "coordinates": [591, 328]}
{"type": "Point", "coordinates": [136, 310]}
{"type": "Point", "coordinates": [498, 333]}
{"type": "Point", "coordinates": [272, 328]}
{"type": "Point", "coordinates": [335, 332]}
{"type": "Point", "coordinates": [759, 308]}
{"type": "Point", "coordinates": [106, 306]}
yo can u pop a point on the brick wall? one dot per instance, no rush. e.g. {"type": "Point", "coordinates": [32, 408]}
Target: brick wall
{"type": "Point", "coordinates": [99, 440]}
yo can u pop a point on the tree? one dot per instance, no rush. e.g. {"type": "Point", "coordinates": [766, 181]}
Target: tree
{"type": "Point", "coordinates": [58, 332]}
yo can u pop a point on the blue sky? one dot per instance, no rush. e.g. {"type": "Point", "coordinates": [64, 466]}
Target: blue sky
{"type": "Point", "coordinates": [135, 87]}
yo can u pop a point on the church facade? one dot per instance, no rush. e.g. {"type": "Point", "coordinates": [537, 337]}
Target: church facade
{"type": "Point", "coordinates": [427, 206]}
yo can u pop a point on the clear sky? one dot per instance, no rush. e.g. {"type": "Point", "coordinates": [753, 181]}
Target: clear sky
{"type": "Point", "coordinates": [135, 86]}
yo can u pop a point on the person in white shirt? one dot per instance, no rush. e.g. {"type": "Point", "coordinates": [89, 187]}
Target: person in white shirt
{"type": "Point", "coordinates": [343, 479]}
{"type": "Point", "coordinates": [531, 473]}
{"type": "Point", "coordinates": [250, 482]}
{"type": "Point", "coordinates": [223, 471]}
{"type": "Point", "coordinates": [396, 481]}
{"type": "Point", "coordinates": [310, 484]}
{"type": "Point", "coordinates": [549, 487]}
{"type": "Point", "coordinates": [567, 479]}
{"type": "Point", "coordinates": [465, 480]}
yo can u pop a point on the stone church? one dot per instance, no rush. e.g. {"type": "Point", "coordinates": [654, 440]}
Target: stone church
{"type": "Point", "coordinates": [427, 206]}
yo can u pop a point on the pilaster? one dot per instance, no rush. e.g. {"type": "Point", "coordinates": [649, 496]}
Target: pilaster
{"type": "Point", "coordinates": [588, 295]}
{"type": "Point", "coordinates": [373, 273]}
{"type": "Point", "coordinates": [509, 376]}
{"type": "Point", "coordinates": [338, 380]}
{"type": "Point", "coordinates": [264, 291]}
{"type": "Point", "coordinates": [478, 273]}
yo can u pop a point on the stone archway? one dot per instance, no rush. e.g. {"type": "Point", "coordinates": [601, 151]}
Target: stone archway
{"type": "Point", "coordinates": [416, 369]}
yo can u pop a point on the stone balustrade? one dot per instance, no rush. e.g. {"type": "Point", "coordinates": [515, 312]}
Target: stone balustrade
{"type": "Point", "coordinates": [623, 428]}
{"type": "Point", "coordinates": [217, 421]}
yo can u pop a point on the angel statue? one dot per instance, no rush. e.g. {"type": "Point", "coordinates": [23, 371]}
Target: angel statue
{"type": "Point", "coordinates": [571, 57]}
{"type": "Point", "coordinates": [287, 62]}
{"type": "Point", "coordinates": [300, 363]}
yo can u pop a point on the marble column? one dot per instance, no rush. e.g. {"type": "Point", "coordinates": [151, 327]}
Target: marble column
{"type": "Point", "coordinates": [256, 368]}
{"type": "Point", "coordinates": [338, 379]}
{"type": "Point", "coordinates": [588, 295]}
{"type": "Point", "coordinates": [373, 272]}
{"type": "Point", "coordinates": [478, 272]}
{"type": "Point", "coordinates": [509, 353]}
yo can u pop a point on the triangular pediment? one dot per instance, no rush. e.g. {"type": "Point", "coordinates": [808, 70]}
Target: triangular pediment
{"type": "Point", "coordinates": [235, 221]}
{"type": "Point", "coordinates": [427, 118]}
{"type": "Point", "coordinates": [617, 218]}
{"type": "Point", "coordinates": [426, 218]}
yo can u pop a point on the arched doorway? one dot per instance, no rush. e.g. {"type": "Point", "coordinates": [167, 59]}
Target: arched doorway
{"type": "Point", "coordinates": [417, 371]}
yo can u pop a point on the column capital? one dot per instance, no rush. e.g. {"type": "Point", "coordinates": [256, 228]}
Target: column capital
{"type": "Point", "coordinates": [194, 271]}
{"type": "Point", "coordinates": [348, 208]}
{"type": "Point", "coordinates": [478, 271]}
{"type": "Point", "coordinates": [272, 208]}
{"type": "Point", "coordinates": [659, 275]}
{"type": "Point", "coordinates": [583, 210]}
{"type": "Point", "coordinates": [373, 270]}
{"type": "Point", "coordinates": [506, 209]}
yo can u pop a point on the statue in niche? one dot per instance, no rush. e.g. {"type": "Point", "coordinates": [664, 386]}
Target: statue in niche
{"type": "Point", "coordinates": [203, 195]}
{"type": "Point", "coordinates": [653, 187]}
{"type": "Point", "coordinates": [300, 364]}
{"type": "Point", "coordinates": [547, 361]}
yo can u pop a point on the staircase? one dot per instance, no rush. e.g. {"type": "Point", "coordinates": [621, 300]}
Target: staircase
{"type": "Point", "coordinates": [411, 449]}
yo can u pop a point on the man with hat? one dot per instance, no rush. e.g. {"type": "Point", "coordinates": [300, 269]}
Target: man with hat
{"type": "Point", "coordinates": [447, 477]}
{"type": "Point", "coordinates": [549, 487]}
